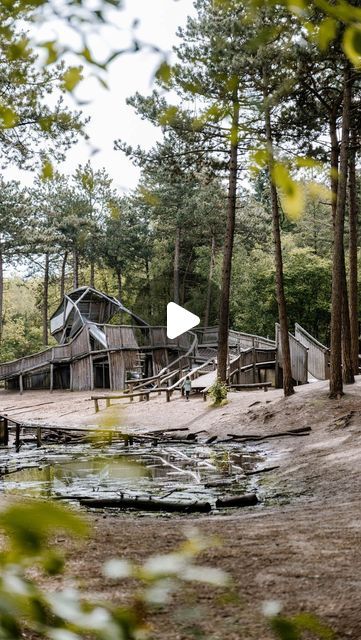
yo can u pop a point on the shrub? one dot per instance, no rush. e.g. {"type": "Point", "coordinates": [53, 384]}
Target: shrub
{"type": "Point", "coordinates": [218, 393]}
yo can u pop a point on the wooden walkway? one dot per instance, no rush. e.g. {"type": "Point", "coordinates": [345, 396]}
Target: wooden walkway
{"type": "Point", "coordinates": [205, 381]}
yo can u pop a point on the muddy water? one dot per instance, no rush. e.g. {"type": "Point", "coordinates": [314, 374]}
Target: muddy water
{"type": "Point", "coordinates": [176, 471]}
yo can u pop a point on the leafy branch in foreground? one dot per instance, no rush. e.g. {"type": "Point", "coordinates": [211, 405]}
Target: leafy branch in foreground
{"type": "Point", "coordinates": [68, 614]}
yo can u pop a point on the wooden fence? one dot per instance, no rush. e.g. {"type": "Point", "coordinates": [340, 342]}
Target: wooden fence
{"type": "Point", "coordinates": [299, 357]}
{"type": "Point", "coordinates": [247, 366]}
{"type": "Point", "coordinates": [318, 354]}
{"type": "Point", "coordinates": [209, 336]}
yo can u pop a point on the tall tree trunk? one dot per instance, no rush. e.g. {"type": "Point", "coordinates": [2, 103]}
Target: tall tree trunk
{"type": "Point", "coordinates": [210, 279]}
{"type": "Point", "coordinates": [222, 355]}
{"type": "Point", "coordinates": [92, 274]}
{"type": "Point", "coordinates": [119, 283]}
{"type": "Point", "coordinates": [46, 299]}
{"type": "Point", "coordinates": [184, 280]}
{"type": "Point", "coordinates": [63, 272]}
{"type": "Point", "coordinates": [1, 292]}
{"type": "Point", "coordinates": [353, 286]}
{"type": "Point", "coordinates": [176, 265]}
{"type": "Point", "coordinates": [336, 386]}
{"type": "Point", "coordinates": [288, 389]}
{"type": "Point", "coordinates": [347, 366]}
{"type": "Point", "coordinates": [75, 269]}
{"type": "Point", "coordinates": [149, 288]}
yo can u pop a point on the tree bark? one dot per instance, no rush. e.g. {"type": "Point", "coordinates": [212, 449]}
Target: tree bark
{"type": "Point", "coordinates": [92, 274]}
{"type": "Point", "coordinates": [288, 389]}
{"type": "Point", "coordinates": [222, 356]}
{"type": "Point", "coordinates": [75, 269]}
{"type": "Point", "coordinates": [1, 292]}
{"type": "Point", "coordinates": [347, 366]}
{"type": "Point", "coordinates": [210, 278]}
{"type": "Point", "coordinates": [119, 283]}
{"type": "Point", "coordinates": [353, 286]}
{"type": "Point", "coordinates": [336, 385]}
{"type": "Point", "coordinates": [149, 288]}
{"type": "Point", "coordinates": [62, 278]}
{"type": "Point", "coordinates": [46, 299]}
{"type": "Point", "coordinates": [176, 265]}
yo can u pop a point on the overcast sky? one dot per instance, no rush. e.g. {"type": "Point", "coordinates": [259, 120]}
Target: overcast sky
{"type": "Point", "coordinates": [110, 117]}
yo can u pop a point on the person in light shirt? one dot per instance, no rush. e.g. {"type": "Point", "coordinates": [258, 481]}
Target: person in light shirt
{"type": "Point", "coordinates": [187, 385]}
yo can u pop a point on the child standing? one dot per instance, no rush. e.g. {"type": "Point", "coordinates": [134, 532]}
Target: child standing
{"type": "Point", "coordinates": [187, 385]}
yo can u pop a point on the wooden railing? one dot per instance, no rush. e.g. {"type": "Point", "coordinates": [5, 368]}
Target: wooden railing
{"type": "Point", "coordinates": [299, 357]}
{"type": "Point", "coordinates": [318, 354]}
{"type": "Point", "coordinates": [209, 336]}
{"type": "Point", "coordinates": [245, 367]}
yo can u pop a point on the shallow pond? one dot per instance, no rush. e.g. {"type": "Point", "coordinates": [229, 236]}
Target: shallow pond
{"type": "Point", "coordinates": [180, 471]}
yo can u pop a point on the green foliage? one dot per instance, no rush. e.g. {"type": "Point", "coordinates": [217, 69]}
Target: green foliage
{"type": "Point", "coordinates": [218, 393]}
{"type": "Point", "coordinates": [70, 614]}
{"type": "Point", "coordinates": [22, 320]}
{"type": "Point", "coordinates": [294, 628]}
{"type": "Point", "coordinates": [307, 288]}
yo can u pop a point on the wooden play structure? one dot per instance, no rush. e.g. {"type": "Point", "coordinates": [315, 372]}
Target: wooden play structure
{"type": "Point", "coordinates": [98, 349]}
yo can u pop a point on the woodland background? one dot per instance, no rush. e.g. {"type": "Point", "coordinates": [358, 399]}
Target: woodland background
{"type": "Point", "coordinates": [257, 165]}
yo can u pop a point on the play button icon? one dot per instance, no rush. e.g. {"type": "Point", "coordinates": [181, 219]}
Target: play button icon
{"type": "Point", "coordinates": [179, 320]}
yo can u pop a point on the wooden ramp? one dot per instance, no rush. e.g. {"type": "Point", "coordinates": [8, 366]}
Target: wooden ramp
{"type": "Point", "coordinates": [205, 381]}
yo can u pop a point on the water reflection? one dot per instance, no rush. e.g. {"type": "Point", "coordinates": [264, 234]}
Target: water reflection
{"type": "Point", "coordinates": [189, 472]}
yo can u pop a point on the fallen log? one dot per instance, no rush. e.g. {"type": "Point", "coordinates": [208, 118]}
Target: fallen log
{"type": "Point", "coordinates": [264, 470]}
{"type": "Point", "coordinates": [246, 500]}
{"type": "Point", "coordinates": [300, 431]}
{"type": "Point", "coordinates": [161, 431]}
{"type": "Point", "coordinates": [213, 484]}
{"type": "Point", "coordinates": [149, 504]}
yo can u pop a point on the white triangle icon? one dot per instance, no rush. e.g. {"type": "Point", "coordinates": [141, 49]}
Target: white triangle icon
{"type": "Point", "coordinates": [179, 320]}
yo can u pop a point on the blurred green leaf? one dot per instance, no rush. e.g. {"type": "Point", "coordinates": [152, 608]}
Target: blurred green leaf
{"type": "Point", "coordinates": [8, 117]}
{"type": "Point", "coordinates": [164, 73]}
{"type": "Point", "coordinates": [47, 170]}
{"type": "Point", "coordinates": [30, 525]}
{"type": "Point", "coordinates": [327, 32]}
{"type": "Point", "coordinates": [352, 45]}
{"type": "Point", "coordinates": [71, 78]}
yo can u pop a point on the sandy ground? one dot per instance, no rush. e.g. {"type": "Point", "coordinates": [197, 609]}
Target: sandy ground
{"type": "Point", "coordinates": [301, 546]}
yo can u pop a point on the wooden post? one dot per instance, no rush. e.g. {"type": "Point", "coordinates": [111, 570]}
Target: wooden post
{"type": "Point", "coordinates": [91, 373]}
{"type": "Point", "coordinates": [254, 362]}
{"type": "Point", "coordinates": [6, 431]}
{"type": "Point", "coordinates": [38, 437]}
{"type": "Point", "coordinates": [17, 436]}
{"type": "Point", "coordinates": [51, 377]}
{"type": "Point", "coordinates": [96, 404]}
{"type": "Point", "coordinates": [2, 430]}
{"type": "Point", "coordinates": [168, 395]}
{"type": "Point", "coordinates": [21, 385]}
{"type": "Point", "coordinates": [147, 396]}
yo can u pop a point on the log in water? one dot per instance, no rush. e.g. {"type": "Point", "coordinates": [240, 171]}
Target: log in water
{"type": "Point", "coordinates": [149, 504]}
{"type": "Point", "coordinates": [246, 500]}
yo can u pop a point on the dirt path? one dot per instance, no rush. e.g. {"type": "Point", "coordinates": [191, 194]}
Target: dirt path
{"type": "Point", "coordinates": [301, 546]}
